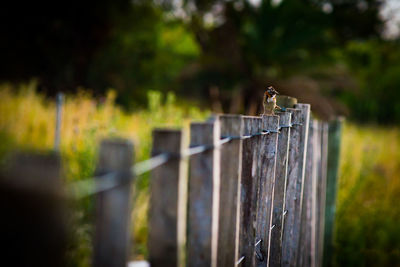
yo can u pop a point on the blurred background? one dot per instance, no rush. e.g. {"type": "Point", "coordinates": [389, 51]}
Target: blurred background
{"type": "Point", "coordinates": [127, 66]}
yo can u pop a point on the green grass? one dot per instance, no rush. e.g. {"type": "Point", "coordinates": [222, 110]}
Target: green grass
{"type": "Point", "coordinates": [27, 122]}
{"type": "Point", "coordinates": [368, 215]}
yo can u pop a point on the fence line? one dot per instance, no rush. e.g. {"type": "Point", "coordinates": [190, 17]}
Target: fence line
{"type": "Point", "coordinates": [254, 194]}
{"type": "Point", "coordinates": [97, 184]}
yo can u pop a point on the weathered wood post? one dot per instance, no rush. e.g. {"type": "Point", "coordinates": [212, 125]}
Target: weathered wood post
{"type": "Point", "coordinates": [57, 132]}
{"type": "Point", "coordinates": [113, 207]}
{"type": "Point", "coordinates": [293, 197]}
{"type": "Point", "coordinates": [279, 190]}
{"type": "Point", "coordinates": [204, 188]}
{"type": "Point", "coordinates": [321, 191]}
{"type": "Point", "coordinates": [34, 220]}
{"type": "Point", "coordinates": [334, 136]}
{"type": "Point", "coordinates": [267, 158]}
{"type": "Point", "coordinates": [315, 180]}
{"type": "Point", "coordinates": [249, 190]}
{"type": "Point", "coordinates": [168, 201]}
{"type": "Point", "coordinates": [305, 252]}
{"type": "Point", "coordinates": [231, 168]}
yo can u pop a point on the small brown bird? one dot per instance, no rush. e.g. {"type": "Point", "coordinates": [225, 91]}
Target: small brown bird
{"type": "Point", "coordinates": [269, 101]}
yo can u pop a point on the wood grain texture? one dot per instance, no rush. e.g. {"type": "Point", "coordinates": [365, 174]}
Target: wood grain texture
{"type": "Point", "coordinates": [280, 188]}
{"type": "Point", "coordinates": [231, 168]}
{"type": "Point", "coordinates": [296, 168]}
{"type": "Point", "coordinates": [321, 191]}
{"type": "Point", "coordinates": [167, 225]}
{"type": "Point", "coordinates": [334, 137]}
{"type": "Point", "coordinates": [113, 207]}
{"type": "Point", "coordinates": [305, 252]}
{"type": "Point", "coordinates": [204, 186]}
{"type": "Point", "coordinates": [249, 189]}
{"type": "Point", "coordinates": [267, 158]}
{"type": "Point", "coordinates": [315, 178]}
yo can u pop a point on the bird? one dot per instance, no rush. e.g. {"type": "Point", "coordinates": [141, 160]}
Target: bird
{"type": "Point", "coordinates": [269, 101]}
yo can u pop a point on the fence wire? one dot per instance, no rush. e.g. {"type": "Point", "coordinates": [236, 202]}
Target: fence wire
{"type": "Point", "coordinates": [97, 184]}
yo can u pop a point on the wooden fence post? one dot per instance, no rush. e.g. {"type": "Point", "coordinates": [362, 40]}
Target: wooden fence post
{"type": "Point", "coordinates": [113, 208]}
{"type": "Point", "coordinates": [231, 168]}
{"type": "Point", "coordinates": [34, 220]}
{"type": "Point", "coordinates": [334, 136]}
{"type": "Point", "coordinates": [267, 157]}
{"type": "Point", "coordinates": [315, 180]}
{"type": "Point", "coordinates": [321, 191]}
{"type": "Point", "coordinates": [57, 132]}
{"type": "Point", "coordinates": [249, 190]}
{"type": "Point", "coordinates": [305, 252]}
{"type": "Point", "coordinates": [296, 168]}
{"type": "Point", "coordinates": [204, 185]}
{"type": "Point", "coordinates": [168, 201]}
{"type": "Point", "coordinates": [279, 190]}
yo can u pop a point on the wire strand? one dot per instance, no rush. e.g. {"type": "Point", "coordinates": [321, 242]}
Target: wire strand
{"type": "Point", "coordinates": [97, 184]}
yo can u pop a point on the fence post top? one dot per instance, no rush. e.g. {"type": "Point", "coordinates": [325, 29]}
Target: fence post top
{"type": "Point", "coordinates": [284, 118]}
{"type": "Point", "coordinates": [231, 125]}
{"type": "Point", "coordinates": [166, 130]}
{"type": "Point", "coordinates": [167, 140]}
{"type": "Point", "coordinates": [43, 169]}
{"type": "Point", "coordinates": [230, 116]}
{"type": "Point", "coordinates": [270, 123]}
{"type": "Point", "coordinates": [303, 106]}
{"type": "Point", "coordinates": [205, 123]}
{"type": "Point", "coordinates": [115, 154]}
{"type": "Point", "coordinates": [251, 117]}
{"type": "Point", "coordinates": [251, 125]}
{"type": "Point", "coordinates": [205, 133]}
{"type": "Point", "coordinates": [115, 141]}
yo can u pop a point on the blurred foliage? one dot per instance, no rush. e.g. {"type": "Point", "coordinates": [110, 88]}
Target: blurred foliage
{"type": "Point", "coordinates": [320, 51]}
{"type": "Point", "coordinates": [142, 56]}
{"type": "Point", "coordinates": [367, 232]}
{"type": "Point", "coordinates": [27, 121]}
{"type": "Point", "coordinates": [376, 65]}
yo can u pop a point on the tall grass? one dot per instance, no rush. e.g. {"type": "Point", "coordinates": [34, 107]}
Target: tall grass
{"type": "Point", "coordinates": [27, 122]}
{"type": "Point", "coordinates": [368, 211]}
{"type": "Point", "coordinates": [367, 222]}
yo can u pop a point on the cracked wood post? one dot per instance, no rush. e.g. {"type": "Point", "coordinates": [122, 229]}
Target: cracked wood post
{"type": "Point", "coordinates": [248, 193]}
{"type": "Point", "coordinates": [266, 186]}
{"type": "Point", "coordinates": [113, 207]}
{"type": "Point", "coordinates": [321, 191]}
{"type": "Point", "coordinates": [294, 189]}
{"type": "Point", "coordinates": [306, 248]}
{"type": "Point", "coordinates": [168, 201]}
{"type": "Point", "coordinates": [279, 190]}
{"type": "Point", "coordinates": [204, 186]}
{"type": "Point", "coordinates": [231, 168]}
{"type": "Point", "coordinates": [334, 136]}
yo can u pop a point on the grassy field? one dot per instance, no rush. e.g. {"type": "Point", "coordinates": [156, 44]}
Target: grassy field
{"type": "Point", "coordinates": [368, 215]}
{"type": "Point", "coordinates": [367, 231]}
{"type": "Point", "coordinates": [27, 122]}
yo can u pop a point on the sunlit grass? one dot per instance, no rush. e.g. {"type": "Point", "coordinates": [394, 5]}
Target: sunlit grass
{"type": "Point", "coordinates": [27, 121]}
{"type": "Point", "coordinates": [367, 231]}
